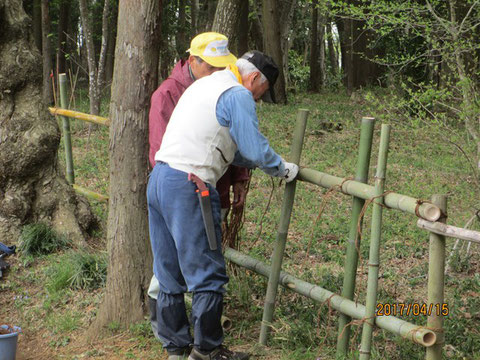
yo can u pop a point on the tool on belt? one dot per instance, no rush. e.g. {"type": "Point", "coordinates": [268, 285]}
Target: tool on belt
{"type": "Point", "coordinates": [206, 207]}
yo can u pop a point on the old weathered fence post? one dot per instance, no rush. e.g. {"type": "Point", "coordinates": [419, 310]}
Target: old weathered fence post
{"type": "Point", "coordinates": [279, 249]}
{"type": "Point", "coordinates": [436, 281]}
{"type": "Point", "coordinates": [351, 260]}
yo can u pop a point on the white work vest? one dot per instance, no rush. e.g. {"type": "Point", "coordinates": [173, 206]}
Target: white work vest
{"type": "Point", "coordinates": [194, 141]}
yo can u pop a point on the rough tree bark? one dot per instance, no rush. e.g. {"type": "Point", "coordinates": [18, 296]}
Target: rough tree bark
{"type": "Point", "coordinates": [31, 186]}
{"type": "Point", "coordinates": [273, 46]}
{"type": "Point", "coordinates": [47, 55]}
{"type": "Point", "coordinates": [226, 20]}
{"type": "Point", "coordinates": [37, 24]}
{"type": "Point", "coordinates": [128, 245]}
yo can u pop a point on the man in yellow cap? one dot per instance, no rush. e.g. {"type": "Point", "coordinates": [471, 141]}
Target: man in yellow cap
{"type": "Point", "coordinates": [208, 54]}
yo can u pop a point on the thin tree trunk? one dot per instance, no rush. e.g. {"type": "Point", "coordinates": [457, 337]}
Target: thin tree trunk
{"type": "Point", "coordinates": [134, 80]}
{"type": "Point", "coordinates": [103, 48]}
{"type": "Point", "coordinates": [242, 44]}
{"type": "Point", "coordinates": [181, 34]}
{"type": "Point", "coordinates": [194, 12]}
{"type": "Point", "coordinates": [273, 45]}
{"type": "Point", "coordinates": [322, 74]}
{"type": "Point", "coordinates": [332, 54]}
{"type": "Point", "coordinates": [92, 66]}
{"type": "Point", "coordinates": [314, 63]}
{"type": "Point", "coordinates": [47, 55]}
{"type": "Point", "coordinates": [286, 18]}
{"type": "Point", "coordinates": [64, 9]}
{"type": "Point", "coordinates": [256, 32]}
{"type": "Point", "coordinates": [37, 24]}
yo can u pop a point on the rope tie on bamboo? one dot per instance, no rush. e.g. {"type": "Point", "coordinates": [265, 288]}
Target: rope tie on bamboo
{"type": "Point", "coordinates": [412, 332]}
{"type": "Point", "coordinates": [323, 204]}
{"type": "Point", "coordinates": [419, 203]}
{"type": "Point", "coordinates": [356, 322]}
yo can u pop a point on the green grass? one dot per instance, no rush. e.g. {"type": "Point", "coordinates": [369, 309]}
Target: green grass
{"type": "Point", "coordinates": [40, 239]}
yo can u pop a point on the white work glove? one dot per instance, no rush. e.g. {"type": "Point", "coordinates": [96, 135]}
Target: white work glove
{"type": "Point", "coordinates": [291, 171]}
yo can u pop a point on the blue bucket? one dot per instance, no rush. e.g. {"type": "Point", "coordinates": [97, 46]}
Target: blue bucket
{"type": "Point", "coordinates": [8, 342]}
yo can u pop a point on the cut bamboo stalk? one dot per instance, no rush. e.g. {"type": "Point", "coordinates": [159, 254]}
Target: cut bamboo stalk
{"type": "Point", "coordinates": [436, 281]}
{"type": "Point", "coordinates": [415, 333]}
{"type": "Point", "coordinates": [375, 238]}
{"type": "Point", "coordinates": [80, 116]}
{"type": "Point", "coordinates": [286, 212]}
{"type": "Point", "coordinates": [351, 260]}
{"type": "Point", "coordinates": [67, 137]}
{"type": "Point", "coordinates": [449, 230]}
{"type": "Point", "coordinates": [90, 194]}
{"type": "Point", "coordinates": [351, 187]}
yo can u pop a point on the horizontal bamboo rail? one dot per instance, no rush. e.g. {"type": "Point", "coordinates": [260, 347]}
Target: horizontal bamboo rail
{"type": "Point", "coordinates": [415, 333]}
{"type": "Point", "coordinates": [90, 194]}
{"type": "Point", "coordinates": [449, 230]}
{"type": "Point", "coordinates": [405, 203]}
{"type": "Point", "coordinates": [80, 116]}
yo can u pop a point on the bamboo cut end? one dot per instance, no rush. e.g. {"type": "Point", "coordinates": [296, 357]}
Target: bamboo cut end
{"type": "Point", "coordinates": [429, 338]}
{"type": "Point", "coordinates": [431, 212]}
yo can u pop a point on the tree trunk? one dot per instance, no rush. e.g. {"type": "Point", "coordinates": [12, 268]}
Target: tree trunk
{"type": "Point", "coordinates": [37, 24]}
{"type": "Point", "coordinates": [134, 80]}
{"type": "Point", "coordinates": [47, 55]}
{"type": "Point", "coordinates": [194, 12]}
{"type": "Point", "coordinates": [226, 20]}
{"type": "Point", "coordinates": [256, 32]}
{"type": "Point", "coordinates": [286, 18]}
{"type": "Point", "coordinates": [112, 37]}
{"type": "Point", "coordinates": [31, 187]}
{"type": "Point", "coordinates": [64, 9]}
{"type": "Point", "coordinates": [242, 43]}
{"type": "Point", "coordinates": [103, 49]}
{"type": "Point", "coordinates": [181, 34]}
{"type": "Point", "coordinates": [273, 45]}
{"type": "Point", "coordinates": [92, 66]}
{"type": "Point", "coordinates": [314, 63]}
{"type": "Point", "coordinates": [322, 75]}
{"type": "Point", "coordinates": [332, 54]}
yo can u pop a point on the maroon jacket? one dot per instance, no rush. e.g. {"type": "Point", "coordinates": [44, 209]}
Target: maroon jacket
{"type": "Point", "coordinates": [164, 100]}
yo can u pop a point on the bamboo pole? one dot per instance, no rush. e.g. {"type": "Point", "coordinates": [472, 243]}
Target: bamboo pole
{"type": "Point", "coordinates": [436, 281]}
{"type": "Point", "coordinates": [351, 261]}
{"type": "Point", "coordinates": [67, 138]}
{"type": "Point", "coordinates": [405, 203]}
{"type": "Point", "coordinates": [80, 116]}
{"type": "Point", "coordinates": [90, 194]}
{"type": "Point", "coordinates": [415, 333]}
{"type": "Point", "coordinates": [279, 249]}
{"type": "Point", "coordinates": [450, 231]}
{"type": "Point", "coordinates": [375, 238]}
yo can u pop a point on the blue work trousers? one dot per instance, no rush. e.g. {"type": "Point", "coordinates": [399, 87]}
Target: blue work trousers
{"type": "Point", "coordinates": [183, 261]}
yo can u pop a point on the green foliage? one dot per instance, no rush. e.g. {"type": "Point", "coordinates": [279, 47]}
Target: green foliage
{"type": "Point", "coordinates": [77, 270]}
{"type": "Point", "coordinates": [40, 239]}
{"type": "Point", "coordinates": [298, 72]}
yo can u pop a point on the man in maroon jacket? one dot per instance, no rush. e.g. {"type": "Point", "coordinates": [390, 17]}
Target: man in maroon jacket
{"type": "Point", "coordinates": [164, 100]}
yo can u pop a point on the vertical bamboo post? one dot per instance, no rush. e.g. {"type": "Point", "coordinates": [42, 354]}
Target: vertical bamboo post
{"type": "Point", "coordinates": [282, 232]}
{"type": "Point", "coordinates": [351, 260]}
{"type": "Point", "coordinates": [375, 237]}
{"type": "Point", "coordinates": [436, 281]}
{"type": "Point", "coordinates": [67, 139]}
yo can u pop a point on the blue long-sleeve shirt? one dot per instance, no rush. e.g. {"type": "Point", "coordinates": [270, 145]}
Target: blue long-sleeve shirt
{"type": "Point", "coordinates": [236, 110]}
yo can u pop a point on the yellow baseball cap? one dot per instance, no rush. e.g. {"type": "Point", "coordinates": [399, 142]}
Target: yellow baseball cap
{"type": "Point", "coordinates": [212, 47]}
